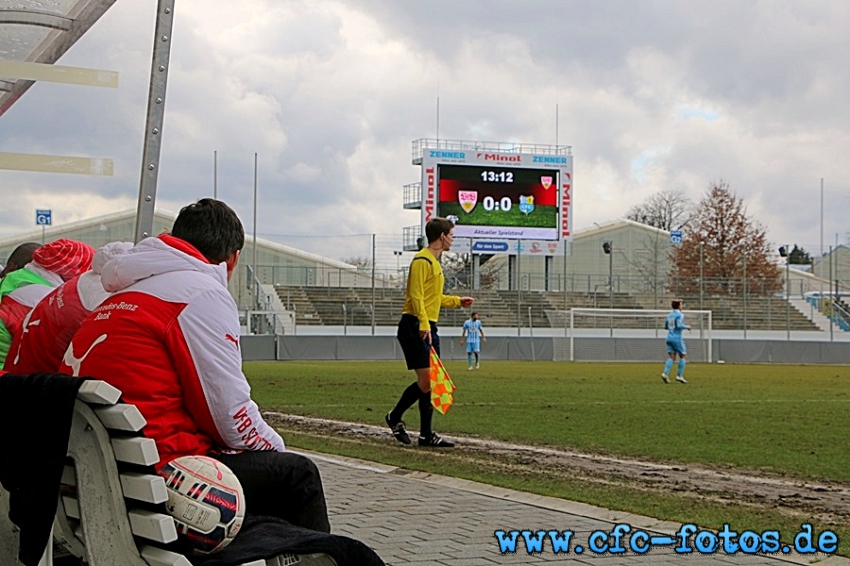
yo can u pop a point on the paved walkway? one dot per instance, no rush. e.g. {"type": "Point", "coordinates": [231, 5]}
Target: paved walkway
{"type": "Point", "coordinates": [418, 519]}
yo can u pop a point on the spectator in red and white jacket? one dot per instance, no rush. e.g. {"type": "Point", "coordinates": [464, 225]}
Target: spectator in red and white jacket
{"type": "Point", "coordinates": [168, 338]}
{"type": "Point", "coordinates": [52, 264]}
{"type": "Point", "coordinates": [48, 328]}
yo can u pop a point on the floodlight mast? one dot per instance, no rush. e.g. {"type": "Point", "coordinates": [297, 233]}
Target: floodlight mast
{"type": "Point", "coordinates": [154, 120]}
{"type": "Point", "coordinates": [608, 248]}
{"type": "Point", "coordinates": [785, 251]}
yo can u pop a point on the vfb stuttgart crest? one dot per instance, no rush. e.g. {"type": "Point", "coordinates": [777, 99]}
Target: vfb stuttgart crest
{"type": "Point", "coordinates": [526, 204]}
{"type": "Point", "coordinates": [467, 200]}
{"type": "Point", "coordinates": [546, 181]}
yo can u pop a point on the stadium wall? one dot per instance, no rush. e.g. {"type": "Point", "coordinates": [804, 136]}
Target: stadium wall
{"type": "Point", "coordinates": [365, 348]}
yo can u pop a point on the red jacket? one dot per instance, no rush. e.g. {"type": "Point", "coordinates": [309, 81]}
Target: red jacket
{"type": "Point", "coordinates": [168, 338]}
{"type": "Point", "coordinates": [48, 328]}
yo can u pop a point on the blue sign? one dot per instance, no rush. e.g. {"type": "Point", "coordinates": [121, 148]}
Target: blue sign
{"type": "Point", "coordinates": [492, 247]}
{"type": "Point", "coordinates": [676, 237]}
{"type": "Point", "coordinates": [43, 217]}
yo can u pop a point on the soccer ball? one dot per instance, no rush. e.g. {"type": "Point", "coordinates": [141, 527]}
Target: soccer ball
{"type": "Point", "coordinates": [206, 501]}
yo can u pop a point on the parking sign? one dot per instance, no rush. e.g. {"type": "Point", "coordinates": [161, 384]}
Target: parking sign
{"type": "Point", "coordinates": [676, 237]}
{"type": "Point", "coordinates": [43, 217]}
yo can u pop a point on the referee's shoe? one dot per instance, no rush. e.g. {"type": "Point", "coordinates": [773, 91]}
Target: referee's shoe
{"type": "Point", "coordinates": [436, 441]}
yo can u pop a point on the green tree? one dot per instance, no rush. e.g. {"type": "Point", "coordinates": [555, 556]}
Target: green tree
{"type": "Point", "coordinates": [799, 256]}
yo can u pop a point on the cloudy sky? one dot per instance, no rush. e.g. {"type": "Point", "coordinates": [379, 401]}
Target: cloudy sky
{"type": "Point", "coordinates": [651, 95]}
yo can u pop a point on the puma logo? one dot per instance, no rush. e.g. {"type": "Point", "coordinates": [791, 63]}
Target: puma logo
{"type": "Point", "coordinates": [27, 324]}
{"type": "Point", "coordinates": [232, 339]}
{"type": "Point", "coordinates": [75, 363]}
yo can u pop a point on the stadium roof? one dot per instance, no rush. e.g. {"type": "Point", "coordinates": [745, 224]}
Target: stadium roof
{"type": "Point", "coordinates": [167, 218]}
{"type": "Point", "coordinates": [41, 31]}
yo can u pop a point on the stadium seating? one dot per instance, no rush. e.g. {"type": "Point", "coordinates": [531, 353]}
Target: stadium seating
{"type": "Point", "coordinates": [110, 498]}
{"type": "Point", "coordinates": [509, 309]}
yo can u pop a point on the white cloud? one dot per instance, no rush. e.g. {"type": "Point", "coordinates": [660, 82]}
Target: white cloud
{"type": "Point", "coordinates": [331, 93]}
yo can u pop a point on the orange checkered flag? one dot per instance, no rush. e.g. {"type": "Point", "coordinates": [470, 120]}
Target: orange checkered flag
{"type": "Point", "coordinates": [441, 385]}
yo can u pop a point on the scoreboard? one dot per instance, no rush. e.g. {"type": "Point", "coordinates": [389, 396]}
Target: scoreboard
{"type": "Point", "coordinates": [489, 195]}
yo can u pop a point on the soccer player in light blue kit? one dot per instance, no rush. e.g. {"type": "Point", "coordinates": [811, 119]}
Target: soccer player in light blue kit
{"type": "Point", "coordinates": [474, 334]}
{"type": "Point", "coordinates": [674, 325]}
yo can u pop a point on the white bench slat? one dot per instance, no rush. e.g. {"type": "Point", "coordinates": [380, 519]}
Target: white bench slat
{"type": "Point", "coordinates": [135, 450]}
{"type": "Point", "coordinates": [254, 563]}
{"type": "Point", "coordinates": [72, 507]}
{"type": "Point", "coordinates": [144, 487]}
{"type": "Point", "coordinates": [98, 392]}
{"type": "Point", "coordinates": [161, 557]}
{"type": "Point", "coordinates": [69, 475]}
{"type": "Point", "coordinates": [121, 417]}
{"type": "Point", "coordinates": [152, 526]}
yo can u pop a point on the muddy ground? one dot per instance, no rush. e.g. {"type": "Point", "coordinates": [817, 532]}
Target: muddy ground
{"type": "Point", "coordinates": [826, 501]}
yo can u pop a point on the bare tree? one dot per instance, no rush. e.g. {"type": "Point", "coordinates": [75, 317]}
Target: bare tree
{"type": "Point", "coordinates": [360, 262]}
{"type": "Point", "coordinates": [458, 271]}
{"type": "Point", "coordinates": [667, 210]}
{"type": "Point", "coordinates": [731, 243]}
{"type": "Point", "coordinates": [651, 261]}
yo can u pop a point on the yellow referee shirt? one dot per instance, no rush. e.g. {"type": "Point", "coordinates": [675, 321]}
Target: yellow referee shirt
{"type": "Point", "coordinates": [424, 295]}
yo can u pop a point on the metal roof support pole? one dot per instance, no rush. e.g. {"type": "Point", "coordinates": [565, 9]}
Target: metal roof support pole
{"type": "Point", "coordinates": [155, 115]}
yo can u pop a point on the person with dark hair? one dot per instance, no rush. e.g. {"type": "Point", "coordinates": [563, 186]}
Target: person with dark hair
{"type": "Point", "coordinates": [473, 334]}
{"type": "Point", "coordinates": [417, 331]}
{"type": "Point", "coordinates": [168, 338]}
{"type": "Point", "coordinates": [19, 257]}
{"type": "Point", "coordinates": [674, 325]}
{"type": "Point", "coordinates": [20, 291]}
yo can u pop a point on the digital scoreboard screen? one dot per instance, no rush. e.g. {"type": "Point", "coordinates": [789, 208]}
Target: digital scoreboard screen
{"type": "Point", "coordinates": [499, 202]}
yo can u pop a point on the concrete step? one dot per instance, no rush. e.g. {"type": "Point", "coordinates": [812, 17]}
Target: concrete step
{"type": "Point", "coordinates": [810, 312]}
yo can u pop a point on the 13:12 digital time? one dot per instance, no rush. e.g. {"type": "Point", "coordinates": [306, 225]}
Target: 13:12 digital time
{"type": "Point", "coordinates": [497, 176]}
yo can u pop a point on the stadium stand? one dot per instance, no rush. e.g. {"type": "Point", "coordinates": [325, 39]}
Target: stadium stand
{"type": "Point", "coordinates": [509, 309]}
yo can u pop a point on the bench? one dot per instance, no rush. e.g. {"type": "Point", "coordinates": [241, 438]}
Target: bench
{"type": "Point", "coordinates": [110, 510]}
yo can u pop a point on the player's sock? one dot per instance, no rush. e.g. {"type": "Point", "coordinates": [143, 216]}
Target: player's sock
{"type": "Point", "coordinates": [682, 363]}
{"type": "Point", "coordinates": [469, 357]}
{"type": "Point", "coordinates": [408, 398]}
{"type": "Point", "coordinates": [426, 411]}
{"type": "Point", "coordinates": [668, 365]}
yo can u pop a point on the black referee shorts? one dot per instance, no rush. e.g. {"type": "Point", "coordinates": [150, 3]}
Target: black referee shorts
{"type": "Point", "coordinates": [417, 352]}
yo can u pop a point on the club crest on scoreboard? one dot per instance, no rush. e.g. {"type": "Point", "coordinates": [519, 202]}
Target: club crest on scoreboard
{"type": "Point", "coordinates": [526, 204]}
{"type": "Point", "coordinates": [546, 181]}
{"type": "Point", "coordinates": [467, 200]}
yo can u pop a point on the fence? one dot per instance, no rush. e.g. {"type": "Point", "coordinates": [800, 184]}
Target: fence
{"type": "Point", "coordinates": [367, 289]}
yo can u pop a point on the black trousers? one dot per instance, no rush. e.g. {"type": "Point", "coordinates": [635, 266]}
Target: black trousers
{"type": "Point", "coordinates": [281, 484]}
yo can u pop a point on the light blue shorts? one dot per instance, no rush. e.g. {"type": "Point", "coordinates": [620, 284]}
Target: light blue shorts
{"type": "Point", "coordinates": [676, 347]}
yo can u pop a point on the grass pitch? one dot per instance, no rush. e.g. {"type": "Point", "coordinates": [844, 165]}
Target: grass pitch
{"type": "Point", "coordinates": [787, 419]}
{"type": "Point", "coordinates": [791, 420]}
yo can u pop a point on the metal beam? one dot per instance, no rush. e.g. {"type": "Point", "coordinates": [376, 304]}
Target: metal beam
{"type": "Point", "coordinates": [58, 74]}
{"type": "Point", "coordinates": [155, 116]}
{"type": "Point", "coordinates": [35, 18]}
{"type": "Point", "coordinates": [56, 164]}
{"type": "Point", "coordinates": [84, 15]}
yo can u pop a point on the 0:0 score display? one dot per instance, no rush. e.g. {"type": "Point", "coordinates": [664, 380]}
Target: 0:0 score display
{"type": "Point", "coordinates": [490, 204]}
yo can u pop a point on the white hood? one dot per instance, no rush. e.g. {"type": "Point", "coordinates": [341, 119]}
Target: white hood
{"type": "Point", "coordinates": [108, 252]}
{"type": "Point", "coordinates": [152, 256]}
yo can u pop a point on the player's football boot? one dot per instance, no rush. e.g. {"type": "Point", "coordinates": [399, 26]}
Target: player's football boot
{"type": "Point", "coordinates": [398, 429]}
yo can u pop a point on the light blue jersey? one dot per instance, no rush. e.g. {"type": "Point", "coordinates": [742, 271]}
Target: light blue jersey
{"type": "Point", "coordinates": [473, 335]}
{"type": "Point", "coordinates": [674, 325]}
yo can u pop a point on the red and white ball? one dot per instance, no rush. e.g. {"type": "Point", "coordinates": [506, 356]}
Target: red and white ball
{"type": "Point", "coordinates": [206, 501]}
